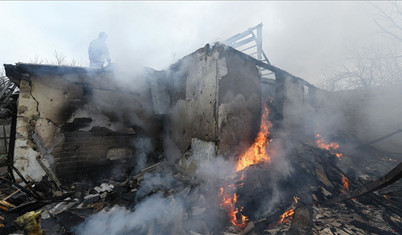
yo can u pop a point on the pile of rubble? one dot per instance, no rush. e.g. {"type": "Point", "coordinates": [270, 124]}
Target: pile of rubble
{"type": "Point", "coordinates": [312, 196]}
{"type": "Point", "coordinates": [62, 211]}
{"type": "Point", "coordinates": [174, 198]}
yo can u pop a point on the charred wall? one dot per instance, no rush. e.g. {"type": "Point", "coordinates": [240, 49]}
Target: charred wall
{"type": "Point", "coordinates": [239, 100]}
{"type": "Point", "coordinates": [216, 97]}
{"type": "Point", "coordinates": [194, 81]}
{"type": "Point", "coordinates": [76, 121]}
{"type": "Point", "coordinates": [295, 104]}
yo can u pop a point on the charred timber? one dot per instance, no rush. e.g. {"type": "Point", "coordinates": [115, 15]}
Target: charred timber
{"type": "Point", "coordinates": [272, 68]}
{"type": "Point", "coordinates": [31, 193]}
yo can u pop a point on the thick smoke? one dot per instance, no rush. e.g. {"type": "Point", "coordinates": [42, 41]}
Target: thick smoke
{"type": "Point", "coordinates": [161, 181]}
{"type": "Point", "coordinates": [123, 221]}
{"type": "Point", "coordinates": [188, 208]}
{"type": "Point", "coordinates": [301, 120]}
{"type": "Point", "coordinates": [215, 169]}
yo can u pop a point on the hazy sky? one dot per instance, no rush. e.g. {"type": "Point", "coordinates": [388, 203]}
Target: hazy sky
{"type": "Point", "coordinates": [301, 37]}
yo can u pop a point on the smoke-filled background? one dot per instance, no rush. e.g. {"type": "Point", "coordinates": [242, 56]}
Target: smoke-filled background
{"type": "Point", "coordinates": [308, 39]}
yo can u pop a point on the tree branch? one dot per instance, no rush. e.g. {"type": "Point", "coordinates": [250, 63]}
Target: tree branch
{"type": "Point", "coordinates": [388, 32]}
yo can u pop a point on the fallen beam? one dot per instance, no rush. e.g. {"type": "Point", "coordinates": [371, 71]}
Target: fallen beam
{"type": "Point", "coordinates": [391, 177]}
{"type": "Point", "coordinates": [381, 138]}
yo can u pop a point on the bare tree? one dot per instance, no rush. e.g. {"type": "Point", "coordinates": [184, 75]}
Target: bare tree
{"type": "Point", "coordinates": [38, 60]}
{"type": "Point", "coordinates": [366, 67]}
{"type": "Point", "coordinates": [74, 62]}
{"type": "Point", "coordinates": [390, 19]}
{"type": "Point", "coordinates": [373, 65]}
{"type": "Point", "coordinates": [59, 59]}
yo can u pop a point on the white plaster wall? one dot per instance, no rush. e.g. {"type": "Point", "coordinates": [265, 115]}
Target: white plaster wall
{"type": "Point", "coordinates": [195, 116]}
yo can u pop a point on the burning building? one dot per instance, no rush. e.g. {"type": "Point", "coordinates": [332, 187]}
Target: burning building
{"type": "Point", "coordinates": [204, 147]}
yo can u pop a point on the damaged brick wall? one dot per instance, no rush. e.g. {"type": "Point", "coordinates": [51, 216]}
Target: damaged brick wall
{"type": "Point", "coordinates": [75, 121]}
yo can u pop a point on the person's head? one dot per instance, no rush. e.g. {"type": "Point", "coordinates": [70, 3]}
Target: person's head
{"type": "Point", "coordinates": [102, 35]}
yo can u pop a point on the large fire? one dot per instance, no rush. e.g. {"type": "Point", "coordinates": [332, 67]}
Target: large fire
{"type": "Point", "coordinates": [255, 154]}
{"type": "Point", "coordinates": [321, 143]}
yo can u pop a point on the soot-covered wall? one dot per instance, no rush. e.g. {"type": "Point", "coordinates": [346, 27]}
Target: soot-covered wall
{"type": "Point", "coordinates": [216, 97]}
{"type": "Point", "coordinates": [76, 121]}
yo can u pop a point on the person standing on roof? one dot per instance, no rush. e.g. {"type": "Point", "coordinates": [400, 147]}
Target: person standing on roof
{"type": "Point", "coordinates": [98, 52]}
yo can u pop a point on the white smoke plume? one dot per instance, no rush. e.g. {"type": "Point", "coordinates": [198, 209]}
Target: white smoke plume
{"type": "Point", "coordinates": [188, 208]}
{"type": "Point", "coordinates": [143, 147]}
{"type": "Point", "coordinates": [123, 221]}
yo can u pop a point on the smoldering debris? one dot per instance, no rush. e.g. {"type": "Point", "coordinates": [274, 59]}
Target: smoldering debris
{"type": "Point", "coordinates": [171, 198]}
{"type": "Point", "coordinates": [119, 220]}
{"type": "Point", "coordinates": [165, 204]}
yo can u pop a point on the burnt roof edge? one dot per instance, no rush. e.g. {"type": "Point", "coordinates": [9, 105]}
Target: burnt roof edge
{"type": "Point", "coordinates": [22, 71]}
{"type": "Point", "coordinates": [260, 63]}
{"type": "Point", "coordinates": [219, 46]}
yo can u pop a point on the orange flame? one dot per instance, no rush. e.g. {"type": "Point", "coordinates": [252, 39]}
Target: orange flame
{"type": "Point", "coordinates": [287, 215]}
{"type": "Point", "coordinates": [330, 147]}
{"type": "Point", "coordinates": [257, 153]}
{"type": "Point", "coordinates": [228, 201]}
{"type": "Point", "coordinates": [345, 182]}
